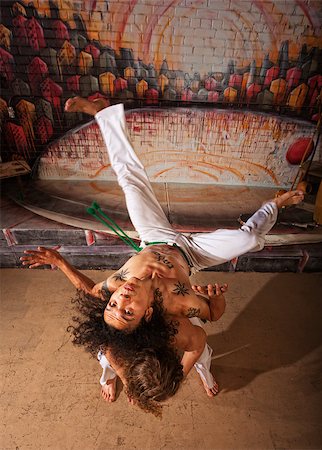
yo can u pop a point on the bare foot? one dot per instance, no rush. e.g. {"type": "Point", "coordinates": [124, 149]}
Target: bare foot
{"type": "Point", "coordinates": [207, 378]}
{"type": "Point", "coordinates": [289, 198]}
{"type": "Point", "coordinates": [108, 390]}
{"type": "Point", "coordinates": [131, 401]}
{"type": "Point", "coordinates": [79, 104]}
{"type": "Point", "coordinates": [211, 392]}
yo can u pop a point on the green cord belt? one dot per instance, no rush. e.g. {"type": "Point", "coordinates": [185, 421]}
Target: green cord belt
{"type": "Point", "coordinates": [96, 211]}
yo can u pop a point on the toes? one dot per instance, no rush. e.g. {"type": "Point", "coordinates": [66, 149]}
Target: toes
{"type": "Point", "coordinates": [214, 390]}
{"type": "Point", "coordinates": [105, 395]}
{"type": "Point", "coordinates": [71, 104]}
{"type": "Point", "coordinates": [68, 104]}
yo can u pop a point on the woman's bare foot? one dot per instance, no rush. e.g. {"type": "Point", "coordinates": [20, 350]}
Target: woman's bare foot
{"type": "Point", "coordinates": [108, 391]}
{"type": "Point", "coordinates": [211, 392]}
{"type": "Point", "coordinates": [79, 104]}
{"type": "Point", "coordinates": [289, 198]}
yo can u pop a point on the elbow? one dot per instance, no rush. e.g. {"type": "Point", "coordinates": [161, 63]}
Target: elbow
{"type": "Point", "coordinates": [217, 316]}
{"type": "Point", "coordinates": [218, 313]}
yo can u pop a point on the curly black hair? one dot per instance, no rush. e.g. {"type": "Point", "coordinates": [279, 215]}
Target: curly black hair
{"type": "Point", "coordinates": [91, 331]}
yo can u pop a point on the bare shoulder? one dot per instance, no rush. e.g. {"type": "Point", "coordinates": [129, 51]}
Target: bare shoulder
{"type": "Point", "coordinates": [116, 279]}
{"type": "Point", "coordinates": [177, 295]}
{"type": "Point", "coordinates": [122, 274]}
{"type": "Point", "coordinates": [182, 301]}
{"type": "Point", "coordinates": [189, 337]}
{"type": "Point", "coordinates": [110, 284]}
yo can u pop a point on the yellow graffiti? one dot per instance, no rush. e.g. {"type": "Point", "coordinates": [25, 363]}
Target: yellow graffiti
{"type": "Point", "coordinates": [106, 81]}
{"type": "Point", "coordinates": [297, 97]}
{"type": "Point", "coordinates": [141, 88]}
{"type": "Point", "coordinates": [85, 63]}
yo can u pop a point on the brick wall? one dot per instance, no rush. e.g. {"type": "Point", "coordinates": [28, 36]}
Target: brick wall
{"type": "Point", "coordinates": [227, 54]}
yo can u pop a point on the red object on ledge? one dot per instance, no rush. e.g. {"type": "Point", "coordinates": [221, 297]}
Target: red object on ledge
{"type": "Point", "coordinates": [297, 150]}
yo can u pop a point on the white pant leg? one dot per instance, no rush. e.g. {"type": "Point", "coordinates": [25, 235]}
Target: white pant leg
{"type": "Point", "coordinates": [203, 364]}
{"type": "Point", "coordinates": [145, 211]}
{"type": "Point", "coordinates": [108, 372]}
{"type": "Point", "coordinates": [207, 249]}
{"type": "Point", "coordinates": [147, 216]}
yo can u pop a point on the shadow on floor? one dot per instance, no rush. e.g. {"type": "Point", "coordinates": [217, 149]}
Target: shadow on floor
{"type": "Point", "coordinates": [273, 331]}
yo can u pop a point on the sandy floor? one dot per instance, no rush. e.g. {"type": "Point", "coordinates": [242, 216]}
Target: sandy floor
{"type": "Point", "coordinates": [267, 360]}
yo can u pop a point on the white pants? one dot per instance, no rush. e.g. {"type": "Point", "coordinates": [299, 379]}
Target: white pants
{"type": "Point", "coordinates": [202, 249]}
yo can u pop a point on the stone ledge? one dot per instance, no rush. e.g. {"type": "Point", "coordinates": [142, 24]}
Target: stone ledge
{"type": "Point", "coordinates": [86, 249]}
{"type": "Point", "coordinates": [294, 258]}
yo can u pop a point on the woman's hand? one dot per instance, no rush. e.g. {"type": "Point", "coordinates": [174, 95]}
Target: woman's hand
{"type": "Point", "coordinates": [214, 294]}
{"type": "Point", "coordinates": [210, 290]}
{"type": "Point", "coordinates": [40, 257]}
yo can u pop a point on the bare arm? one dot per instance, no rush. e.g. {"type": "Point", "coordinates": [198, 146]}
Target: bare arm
{"type": "Point", "coordinates": [192, 340]}
{"type": "Point", "coordinates": [205, 302]}
{"type": "Point", "coordinates": [215, 296]}
{"type": "Point", "coordinates": [44, 256]}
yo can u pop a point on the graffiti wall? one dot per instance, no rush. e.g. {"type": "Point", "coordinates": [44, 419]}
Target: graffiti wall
{"type": "Point", "coordinates": [252, 62]}
{"type": "Point", "coordinates": [187, 145]}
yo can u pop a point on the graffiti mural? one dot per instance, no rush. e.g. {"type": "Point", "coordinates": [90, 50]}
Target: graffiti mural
{"type": "Point", "coordinates": [193, 146]}
{"type": "Point", "coordinates": [262, 56]}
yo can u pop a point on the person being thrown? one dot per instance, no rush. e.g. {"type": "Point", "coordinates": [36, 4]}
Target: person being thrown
{"type": "Point", "coordinates": [161, 270]}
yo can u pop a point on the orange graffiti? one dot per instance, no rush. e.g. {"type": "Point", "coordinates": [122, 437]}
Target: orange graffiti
{"type": "Point", "coordinates": [265, 169]}
{"type": "Point", "coordinates": [206, 173]}
{"type": "Point", "coordinates": [156, 175]}
{"type": "Point", "coordinates": [101, 169]}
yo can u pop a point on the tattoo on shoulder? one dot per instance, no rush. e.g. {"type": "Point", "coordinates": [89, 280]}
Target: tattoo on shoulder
{"type": "Point", "coordinates": [105, 291]}
{"type": "Point", "coordinates": [180, 288]}
{"type": "Point", "coordinates": [157, 295]}
{"type": "Point", "coordinates": [193, 312]}
{"type": "Point", "coordinates": [121, 275]}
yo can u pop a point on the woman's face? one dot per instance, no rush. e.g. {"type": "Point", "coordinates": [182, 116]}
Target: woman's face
{"type": "Point", "coordinates": [129, 304]}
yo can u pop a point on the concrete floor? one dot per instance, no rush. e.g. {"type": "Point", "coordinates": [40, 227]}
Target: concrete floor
{"type": "Point", "coordinates": [267, 361]}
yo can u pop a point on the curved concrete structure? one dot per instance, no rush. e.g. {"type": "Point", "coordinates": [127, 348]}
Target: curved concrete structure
{"type": "Point", "coordinates": [185, 145]}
